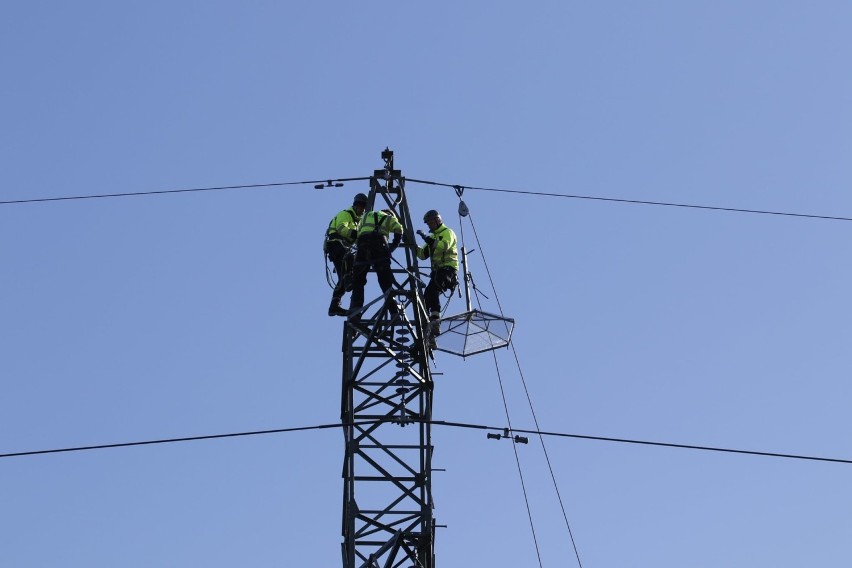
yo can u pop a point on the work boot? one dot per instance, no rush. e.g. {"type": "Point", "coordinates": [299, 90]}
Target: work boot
{"type": "Point", "coordinates": [335, 310]}
{"type": "Point", "coordinates": [434, 324]}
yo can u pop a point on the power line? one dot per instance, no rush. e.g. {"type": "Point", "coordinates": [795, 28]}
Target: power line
{"type": "Point", "coordinates": [175, 440]}
{"type": "Point", "coordinates": [332, 182]}
{"type": "Point", "coordinates": [633, 201]}
{"type": "Point", "coordinates": [326, 183]}
{"type": "Point", "coordinates": [436, 423]}
{"type": "Point", "coordinates": [644, 442]}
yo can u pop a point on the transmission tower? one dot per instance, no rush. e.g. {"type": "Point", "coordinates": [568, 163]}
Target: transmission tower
{"type": "Point", "coordinates": [386, 402]}
{"type": "Point", "coordinates": [386, 409]}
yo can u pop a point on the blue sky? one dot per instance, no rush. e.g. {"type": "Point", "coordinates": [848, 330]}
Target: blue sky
{"type": "Point", "coordinates": [152, 317]}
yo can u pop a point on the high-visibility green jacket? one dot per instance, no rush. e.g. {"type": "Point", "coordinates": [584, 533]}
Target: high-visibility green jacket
{"type": "Point", "coordinates": [343, 227]}
{"type": "Point", "coordinates": [380, 222]}
{"type": "Point", "coordinates": [442, 250]}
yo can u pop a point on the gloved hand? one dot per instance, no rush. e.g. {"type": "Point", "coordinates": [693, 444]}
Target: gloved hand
{"type": "Point", "coordinates": [429, 240]}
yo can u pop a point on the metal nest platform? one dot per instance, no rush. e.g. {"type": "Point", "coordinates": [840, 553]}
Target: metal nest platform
{"type": "Point", "coordinates": [474, 332]}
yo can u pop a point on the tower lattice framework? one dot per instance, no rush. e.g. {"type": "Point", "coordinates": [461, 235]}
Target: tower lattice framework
{"type": "Point", "coordinates": [386, 412]}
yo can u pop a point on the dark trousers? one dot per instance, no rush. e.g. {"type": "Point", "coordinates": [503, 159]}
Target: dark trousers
{"type": "Point", "coordinates": [340, 256]}
{"type": "Point", "coordinates": [373, 252]}
{"type": "Point", "coordinates": [442, 280]}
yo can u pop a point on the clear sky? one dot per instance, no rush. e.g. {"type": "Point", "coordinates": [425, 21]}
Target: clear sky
{"type": "Point", "coordinates": [139, 318]}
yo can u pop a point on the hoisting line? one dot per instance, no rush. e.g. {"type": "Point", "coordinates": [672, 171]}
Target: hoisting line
{"type": "Point", "coordinates": [517, 456]}
{"type": "Point", "coordinates": [529, 398]}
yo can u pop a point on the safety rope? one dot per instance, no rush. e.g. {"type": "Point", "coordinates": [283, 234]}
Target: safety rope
{"type": "Point", "coordinates": [527, 393]}
{"type": "Point", "coordinates": [328, 272]}
{"type": "Point", "coordinates": [515, 449]}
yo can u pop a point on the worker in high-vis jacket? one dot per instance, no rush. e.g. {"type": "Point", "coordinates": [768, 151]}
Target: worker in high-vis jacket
{"type": "Point", "coordinates": [339, 238]}
{"type": "Point", "coordinates": [441, 248]}
{"type": "Point", "coordinates": [374, 252]}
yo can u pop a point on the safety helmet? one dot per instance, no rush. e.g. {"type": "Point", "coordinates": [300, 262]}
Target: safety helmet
{"type": "Point", "coordinates": [431, 214]}
{"type": "Point", "coordinates": [360, 198]}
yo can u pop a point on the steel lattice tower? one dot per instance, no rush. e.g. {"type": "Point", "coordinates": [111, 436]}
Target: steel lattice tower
{"type": "Point", "coordinates": [386, 412]}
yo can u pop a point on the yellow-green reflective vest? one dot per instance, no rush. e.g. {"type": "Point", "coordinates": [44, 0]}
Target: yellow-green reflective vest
{"type": "Point", "coordinates": [380, 222]}
{"type": "Point", "coordinates": [443, 250]}
{"type": "Point", "coordinates": [343, 227]}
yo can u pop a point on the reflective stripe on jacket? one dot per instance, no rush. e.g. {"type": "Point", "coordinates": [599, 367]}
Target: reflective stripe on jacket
{"type": "Point", "coordinates": [443, 251]}
{"type": "Point", "coordinates": [343, 226]}
{"type": "Point", "coordinates": [379, 222]}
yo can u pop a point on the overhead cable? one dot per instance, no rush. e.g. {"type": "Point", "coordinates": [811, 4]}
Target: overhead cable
{"type": "Point", "coordinates": [326, 182]}
{"type": "Point", "coordinates": [175, 440]}
{"type": "Point", "coordinates": [634, 201]}
{"type": "Point", "coordinates": [455, 186]}
{"type": "Point", "coordinates": [435, 423]}
{"type": "Point", "coordinates": [644, 442]}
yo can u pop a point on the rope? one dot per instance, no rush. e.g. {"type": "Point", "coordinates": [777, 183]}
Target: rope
{"type": "Point", "coordinates": [529, 398]}
{"type": "Point", "coordinates": [517, 459]}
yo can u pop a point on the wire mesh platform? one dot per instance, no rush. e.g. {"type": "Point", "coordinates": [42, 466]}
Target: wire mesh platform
{"type": "Point", "coordinates": [474, 332]}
